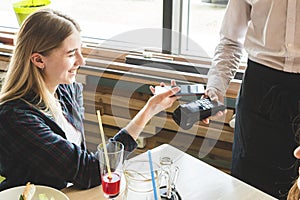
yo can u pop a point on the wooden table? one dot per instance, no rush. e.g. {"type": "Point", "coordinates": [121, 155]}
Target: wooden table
{"type": "Point", "coordinates": [197, 180]}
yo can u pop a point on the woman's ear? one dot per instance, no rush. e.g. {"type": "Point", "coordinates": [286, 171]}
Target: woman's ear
{"type": "Point", "coordinates": [37, 60]}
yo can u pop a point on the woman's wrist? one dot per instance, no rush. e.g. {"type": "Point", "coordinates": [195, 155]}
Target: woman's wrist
{"type": "Point", "coordinates": [138, 123]}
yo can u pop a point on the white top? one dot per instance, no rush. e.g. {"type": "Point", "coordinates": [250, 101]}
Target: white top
{"type": "Point", "coordinates": [266, 28]}
{"type": "Point", "coordinates": [72, 134]}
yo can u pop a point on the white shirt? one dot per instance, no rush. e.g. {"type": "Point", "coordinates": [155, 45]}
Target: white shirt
{"type": "Point", "coordinates": [72, 134]}
{"type": "Point", "coordinates": [268, 31]}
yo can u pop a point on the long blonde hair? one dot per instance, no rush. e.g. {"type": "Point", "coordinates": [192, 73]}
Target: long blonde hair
{"type": "Point", "coordinates": [294, 193]}
{"type": "Point", "coordinates": [41, 32]}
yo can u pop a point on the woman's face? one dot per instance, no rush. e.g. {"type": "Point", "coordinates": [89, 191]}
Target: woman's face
{"type": "Point", "coordinates": [60, 66]}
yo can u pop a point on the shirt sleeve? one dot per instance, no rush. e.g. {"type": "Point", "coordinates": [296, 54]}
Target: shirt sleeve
{"type": "Point", "coordinates": [126, 139]}
{"type": "Point", "coordinates": [228, 52]}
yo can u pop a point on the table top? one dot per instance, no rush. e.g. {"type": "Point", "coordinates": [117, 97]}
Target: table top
{"type": "Point", "coordinates": [196, 180]}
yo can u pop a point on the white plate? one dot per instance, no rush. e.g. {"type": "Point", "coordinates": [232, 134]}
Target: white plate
{"type": "Point", "coordinates": [14, 193]}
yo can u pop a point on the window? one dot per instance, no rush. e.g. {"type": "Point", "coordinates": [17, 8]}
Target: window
{"type": "Point", "coordinates": [138, 23]}
{"type": "Point", "coordinates": [7, 15]}
{"type": "Point", "coordinates": [201, 23]}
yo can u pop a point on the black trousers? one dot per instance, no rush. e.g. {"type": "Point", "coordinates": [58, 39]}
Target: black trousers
{"type": "Point", "coordinates": [267, 123]}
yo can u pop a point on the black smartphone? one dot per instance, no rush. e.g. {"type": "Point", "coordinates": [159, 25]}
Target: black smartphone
{"type": "Point", "coordinates": [185, 90]}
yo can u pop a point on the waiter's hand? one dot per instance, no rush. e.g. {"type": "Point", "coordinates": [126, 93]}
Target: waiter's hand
{"type": "Point", "coordinates": [214, 95]}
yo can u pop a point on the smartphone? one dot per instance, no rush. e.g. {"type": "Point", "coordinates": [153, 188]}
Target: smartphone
{"type": "Point", "coordinates": [185, 90]}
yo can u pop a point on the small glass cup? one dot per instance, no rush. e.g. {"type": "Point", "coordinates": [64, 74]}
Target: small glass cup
{"type": "Point", "coordinates": [169, 174]}
{"type": "Point", "coordinates": [111, 185]}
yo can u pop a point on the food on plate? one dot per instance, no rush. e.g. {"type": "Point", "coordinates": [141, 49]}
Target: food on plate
{"type": "Point", "coordinates": [28, 192]}
{"type": "Point", "coordinates": [44, 197]}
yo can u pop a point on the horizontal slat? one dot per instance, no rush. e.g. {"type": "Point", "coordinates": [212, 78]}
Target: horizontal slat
{"type": "Point", "coordinates": [6, 48]}
{"type": "Point", "coordinates": [115, 121]}
{"type": "Point", "coordinates": [7, 38]}
{"type": "Point", "coordinates": [197, 78]}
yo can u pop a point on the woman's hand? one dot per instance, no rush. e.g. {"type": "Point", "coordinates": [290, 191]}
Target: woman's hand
{"type": "Point", "coordinates": [164, 100]}
{"type": "Point", "coordinates": [153, 106]}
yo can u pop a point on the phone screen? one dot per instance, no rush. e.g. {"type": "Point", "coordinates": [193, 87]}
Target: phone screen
{"type": "Point", "coordinates": [185, 90]}
{"type": "Point", "coordinates": [191, 89]}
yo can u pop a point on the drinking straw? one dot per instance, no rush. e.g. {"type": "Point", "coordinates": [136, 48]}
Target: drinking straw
{"type": "Point", "coordinates": [152, 175]}
{"type": "Point", "coordinates": [104, 144]}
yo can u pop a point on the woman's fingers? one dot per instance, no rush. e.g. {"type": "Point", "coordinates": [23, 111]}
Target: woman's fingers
{"type": "Point", "coordinates": [152, 89]}
{"type": "Point", "coordinates": [162, 84]}
{"type": "Point", "coordinates": [173, 83]}
{"type": "Point", "coordinates": [173, 91]}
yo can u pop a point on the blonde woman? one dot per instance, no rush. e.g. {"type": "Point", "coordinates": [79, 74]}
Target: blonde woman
{"type": "Point", "coordinates": [41, 108]}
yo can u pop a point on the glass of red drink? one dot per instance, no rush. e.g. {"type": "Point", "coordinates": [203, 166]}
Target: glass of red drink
{"type": "Point", "coordinates": [111, 184]}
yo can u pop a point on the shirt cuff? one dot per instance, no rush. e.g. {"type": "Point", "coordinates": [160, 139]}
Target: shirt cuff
{"type": "Point", "coordinates": [129, 143]}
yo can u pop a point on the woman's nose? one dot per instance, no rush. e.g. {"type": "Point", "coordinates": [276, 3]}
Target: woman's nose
{"type": "Point", "coordinates": [80, 59]}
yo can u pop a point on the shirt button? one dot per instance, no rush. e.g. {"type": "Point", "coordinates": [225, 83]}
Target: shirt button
{"type": "Point", "coordinates": [290, 20]}
{"type": "Point", "coordinates": [289, 44]}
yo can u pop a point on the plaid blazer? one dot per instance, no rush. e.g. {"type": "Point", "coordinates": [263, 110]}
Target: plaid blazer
{"type": "Point", "coordinates": [34, 148]}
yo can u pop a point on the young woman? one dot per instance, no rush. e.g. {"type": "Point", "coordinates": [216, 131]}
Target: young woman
{"type": "Point", "coordinates": [41, 108]}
